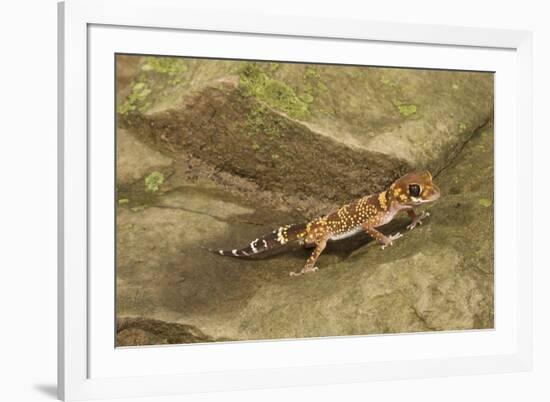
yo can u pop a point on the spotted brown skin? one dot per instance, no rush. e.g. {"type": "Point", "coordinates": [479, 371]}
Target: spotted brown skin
{"type": "Point", "coordinates": [365, 214]}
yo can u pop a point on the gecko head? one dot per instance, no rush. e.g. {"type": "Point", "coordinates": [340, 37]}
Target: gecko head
{"type": "Point", "coordinates": [414, 189]}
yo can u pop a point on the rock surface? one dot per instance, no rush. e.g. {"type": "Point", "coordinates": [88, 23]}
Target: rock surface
{"type": "Point", "coordinates": [437, 277]}
{"type": "Point", "coordinates": [142, 331]}
{"type": "Point", "coordinates": [240, 135]}
{"type": "Point", "coordinates": [419, 116]}
{"type": "Point", "coordinates": [135, 160]}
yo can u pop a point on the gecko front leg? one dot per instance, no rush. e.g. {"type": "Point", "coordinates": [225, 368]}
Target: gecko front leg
{"type": "Point", "coordinates": [382, 238]}
{"type": "Point", "coordinates": [416, 219]}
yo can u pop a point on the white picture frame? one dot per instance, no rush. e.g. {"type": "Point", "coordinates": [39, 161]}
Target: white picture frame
{"type": "Point", "coordinates": [90, 368]}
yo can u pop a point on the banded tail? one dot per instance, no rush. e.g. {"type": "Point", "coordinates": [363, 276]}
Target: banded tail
{"type": "Point", "coordinates": [277, 238]}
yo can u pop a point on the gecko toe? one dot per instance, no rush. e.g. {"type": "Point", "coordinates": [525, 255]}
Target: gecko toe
{"type": "Point", "coordinates": [305, 271]}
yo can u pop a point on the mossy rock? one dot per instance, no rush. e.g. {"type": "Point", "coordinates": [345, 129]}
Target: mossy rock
{"type": "Point", "coordinates": [420, 116]}
{"type": "Point", "coordinates": [207, 131]}
{"type": "Point", "coordinates": [247, 138]}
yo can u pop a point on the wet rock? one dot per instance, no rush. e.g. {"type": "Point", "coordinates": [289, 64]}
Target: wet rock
{"type": "Point", "coordinates": [135, 159]}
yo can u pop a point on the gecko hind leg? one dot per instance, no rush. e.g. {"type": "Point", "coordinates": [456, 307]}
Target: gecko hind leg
{"type": "Point", "coordinates": [310, 263]}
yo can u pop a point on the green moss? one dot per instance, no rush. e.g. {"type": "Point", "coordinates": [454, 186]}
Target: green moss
{"type": "Point", "coordinates": [255, 82]}
{"type": "Point", "coordinates": [146, 88]}
{"type": "Point", "coordinates": [312, 85]}
{"type": "Point", "coordinates": [485, 202]}
{"type": "Point", "coordinates": [123, 201]}
{"type": "Point", "coordinates": [462, 127]}
{"type": "Point", "coordinates": [154, 181]}
{"type": "Point", "coordinates": [312, 73]}
{"type": "Point", "coordinates": [255, 147]}
{"type": "Point", "coordinates": [405, 109]}
{"type": "Point", "coordinates": [259, 123]}
{"type": "Point", "coordinates": [137, 99]}
{"type": "Point", "coordinates": [274, 66]}
{"type": "Point", "coordinates": [307, 98]}
{"type": "Point", "coordinates": [322, 87]}
{"type": "Point", "coordinates": [174, 67]}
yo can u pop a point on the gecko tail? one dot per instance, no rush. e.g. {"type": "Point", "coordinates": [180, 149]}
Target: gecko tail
{"type": "Point", "coordinates": [273, 240]}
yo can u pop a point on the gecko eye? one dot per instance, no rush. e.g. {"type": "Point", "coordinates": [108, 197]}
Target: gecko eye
{"type": "Point", "coordinates": [414, 190]}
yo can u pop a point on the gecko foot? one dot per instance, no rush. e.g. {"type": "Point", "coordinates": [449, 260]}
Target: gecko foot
{"type": "Point", "coordinates": [389, 240]}
{"type": "Point", "coordinates": [418, 220]}
{"type": "Point", "coordinates": [304, 271]}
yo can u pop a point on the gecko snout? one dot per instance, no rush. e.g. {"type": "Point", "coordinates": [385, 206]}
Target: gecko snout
{"type": "Point", "coordinates": [434, 193]}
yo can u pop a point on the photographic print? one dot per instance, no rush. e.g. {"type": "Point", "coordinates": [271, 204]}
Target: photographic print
{"type": "Point", "coordinates": [261, 200]}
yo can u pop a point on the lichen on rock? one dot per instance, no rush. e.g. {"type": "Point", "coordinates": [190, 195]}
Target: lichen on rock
{"type": "Point", "coordinates": [255, 82]}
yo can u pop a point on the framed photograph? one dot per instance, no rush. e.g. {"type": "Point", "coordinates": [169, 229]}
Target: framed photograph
{"type": "Point", "coordinates": [253, 201]}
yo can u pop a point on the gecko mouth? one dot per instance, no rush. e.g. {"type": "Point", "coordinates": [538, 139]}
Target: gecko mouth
{"type": "Point", "coordinates": [418, 201]}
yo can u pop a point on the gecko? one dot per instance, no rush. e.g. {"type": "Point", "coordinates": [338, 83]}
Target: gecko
{"type": "Point", "coordinates": [365, 214]}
